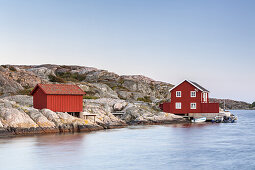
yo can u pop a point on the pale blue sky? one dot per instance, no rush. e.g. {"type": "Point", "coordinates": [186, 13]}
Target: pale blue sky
{"type": "Point", "coordinates": [208, 41]}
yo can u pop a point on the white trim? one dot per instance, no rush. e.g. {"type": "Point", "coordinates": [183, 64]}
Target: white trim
{"type": "Point", "coordinates": [195, 104]}
{"type": "Point", "coordinates": [190, 83]}
{"type": "Point", "coordinates": [177, 93]}
{"type": "Point", "coordinates": [194, 93]}
{"type": "Point", "coordinates": [178, 105]}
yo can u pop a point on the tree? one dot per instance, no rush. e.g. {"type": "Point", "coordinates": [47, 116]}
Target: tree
{"type": "Point", "coordinates": [253, 104]}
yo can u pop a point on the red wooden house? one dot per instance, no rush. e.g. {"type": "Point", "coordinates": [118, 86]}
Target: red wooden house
{"type": "Point", "coordinates": [58, 97]}
{"type": "Point", "coordinates": [190, 97]}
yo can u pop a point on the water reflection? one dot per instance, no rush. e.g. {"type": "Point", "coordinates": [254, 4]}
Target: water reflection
{"type": "Point", "coordinates": [194, 125]}
{"type": "Point", "coordinates": [58, 149]}
{"type": "Point", "coordinates": [60, 139]}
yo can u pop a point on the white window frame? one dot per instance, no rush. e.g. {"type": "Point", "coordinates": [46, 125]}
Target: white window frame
{"type": "Point", "coordinates": [178, 92]}
{"type": "Point", "coordinates": [193, 104]}
{"type": "Point", "coordinates": [204, 98]}
{"type": "Point", "coordinates": [178, 105]}
{"type": "Point", "coordinates": [193, 92]}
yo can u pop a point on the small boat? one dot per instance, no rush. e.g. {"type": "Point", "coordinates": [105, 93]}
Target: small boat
{"type": "Point", "coordinates": [218, 119]}
{"type": "Point", "coordinates": [198, 120]}
{"type": "Point", "coordinates": [225, 119]}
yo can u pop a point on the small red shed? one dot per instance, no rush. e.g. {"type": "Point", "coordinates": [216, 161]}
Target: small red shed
{"type": "Point", "coordinates": [189, 97]}
{"type": "Point", "coordinates": [58, 97]}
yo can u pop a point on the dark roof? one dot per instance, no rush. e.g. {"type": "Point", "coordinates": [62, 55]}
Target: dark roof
{"type": "Point", "coordinates": [65, 89]}
{"type": "Point", "coordinates": [199, 86]}
{"type": "Point", "coordinates": [194, 84]}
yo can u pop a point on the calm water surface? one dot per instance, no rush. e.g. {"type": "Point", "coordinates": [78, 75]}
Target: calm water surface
{"type": "Point", "coordinates": [190, 146]}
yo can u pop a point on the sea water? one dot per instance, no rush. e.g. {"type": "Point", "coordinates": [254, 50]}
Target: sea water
{"type": "Point", "coordinates": [177, 146]}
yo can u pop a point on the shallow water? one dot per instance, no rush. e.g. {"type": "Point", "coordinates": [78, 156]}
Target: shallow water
{"type": "Point", "coordinates": [187, 146]}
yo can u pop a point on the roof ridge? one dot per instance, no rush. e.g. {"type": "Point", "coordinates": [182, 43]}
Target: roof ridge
{"type": "Point", "coordinates": [192, 83]}
{"type": "Point", "coordinates": [65, 89]}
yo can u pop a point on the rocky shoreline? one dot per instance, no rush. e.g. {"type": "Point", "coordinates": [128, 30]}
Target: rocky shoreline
{"type": "Point", "coordinates": [12, 132]}
{"type": "Point", "coordinates": [19, 118]}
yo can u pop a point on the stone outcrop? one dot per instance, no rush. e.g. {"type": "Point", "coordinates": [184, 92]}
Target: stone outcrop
{"type": "Point", "coordinates": [116, 100]}
{"type": "Point", "coordinates": [8, 86]}
{"type": "Point", "coordinates": [17, 117]}
{"type": "Point", "coordinates": [39, 118]}
{"type": "Point", "coordinates": [12, 117]}
{"type": "Point", "coordinates": [97, 83]}
{"type": "Point", "coordinates": [21, 99]}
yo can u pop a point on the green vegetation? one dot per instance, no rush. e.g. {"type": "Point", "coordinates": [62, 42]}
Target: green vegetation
{"type": "Point", "coordinates": [53, 78]}
{"type": "Point", "coordinates": [90, 97]}
{"type": "Point", "coordinates": [74, 77]}
{"type": "Point", "coordinates": [145, 99]}
{"type": "Point", "coordinates": [26, 91]}
{"type": "Point", "coordinates": [252, 105]}
{"type": "Point", "coordinates": [119, 87]}
{"type": "Point", "coordinates": [12, 68]}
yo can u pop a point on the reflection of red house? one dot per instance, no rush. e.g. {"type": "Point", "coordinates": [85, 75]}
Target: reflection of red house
{"type": "Point", "coordinates": [189, 97]}
{"type": "Point", "coordinates": [58, 97]}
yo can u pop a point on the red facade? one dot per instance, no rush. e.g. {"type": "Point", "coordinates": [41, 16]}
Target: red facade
{"type": "Point", "coordinates": [58, 98]}
{"type": "Point", "coordinates": [189, 97]}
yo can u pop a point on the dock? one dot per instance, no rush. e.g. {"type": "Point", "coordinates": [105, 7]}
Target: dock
{"type": "Point", "coordinates": [118, 113]}
{"type": "Point", "coordinates": [209, 116]}
{"type": "Point", "coordinates": [87, 115]}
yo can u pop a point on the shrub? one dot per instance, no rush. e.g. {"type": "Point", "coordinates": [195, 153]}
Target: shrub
{"type": "Point", "coordinates": [74, 77]}
{"type": "Point", "coordinates": [118, 87]}
{"type": "Point", "coordinates": [252, 105]}
{"type": "Point", "coordinates": [57, 79]}
{"type": "Point", "coordinates": [12, 68]}
{"type": "Point", "coordinates": [26, 91]}
{"type": "Point", "coordinates": [145, 99]}
{"type": "Point", "coordinates": [90, 97]}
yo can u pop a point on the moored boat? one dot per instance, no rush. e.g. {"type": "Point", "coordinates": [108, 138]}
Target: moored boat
{"type": "Point", "coordinates": [225, 119]}
{"type": "Point", "coordinates": [198, 120]}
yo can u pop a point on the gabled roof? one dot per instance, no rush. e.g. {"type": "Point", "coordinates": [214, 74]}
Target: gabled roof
{"type": "Point", "coordinates": [199, 87]}
{"type": "Point", "coordinates": [64, 89]}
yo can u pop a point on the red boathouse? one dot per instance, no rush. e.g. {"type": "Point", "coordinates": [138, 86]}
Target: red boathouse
{"type": "Point", "coordinates": [58, 97]}
{"type": "Point", "coordinates": [189, 97]}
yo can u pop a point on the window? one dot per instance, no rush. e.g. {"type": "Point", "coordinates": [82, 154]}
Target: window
{"type": "Point", "coordinates": [193, 106]}
{"type": "Point", "coordinates": [193, 94]}
{"type": "Point", "coordinates": [204, 97]}
{"type": "Point", "coordinates": [178, 94]}
{"type": "Point", "coordinates": [178, 105]}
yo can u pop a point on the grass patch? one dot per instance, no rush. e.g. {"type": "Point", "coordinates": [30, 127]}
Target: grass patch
{"type": "Point", "coordinates": [144, 99]}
